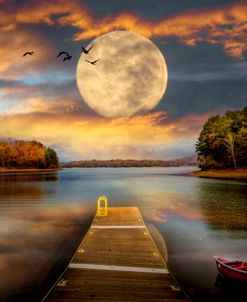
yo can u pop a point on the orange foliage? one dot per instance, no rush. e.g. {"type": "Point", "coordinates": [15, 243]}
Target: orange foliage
{"type": "Point", "coordinates": [23, 154]}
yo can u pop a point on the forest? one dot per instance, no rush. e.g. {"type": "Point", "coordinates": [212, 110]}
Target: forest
{"type": "Point", "coordinates": [222, 142]}
{"type": "Point", "coordinates": [116, 163]}
{"type": "Point", "coordinates": [27, 154]}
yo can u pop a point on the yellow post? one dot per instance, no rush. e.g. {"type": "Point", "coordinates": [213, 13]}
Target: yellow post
{"type": "Point", "coordinates": [102, 211]}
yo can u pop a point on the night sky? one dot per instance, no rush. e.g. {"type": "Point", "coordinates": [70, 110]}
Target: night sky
{"type": "Point", "coordinates": [204, 43]}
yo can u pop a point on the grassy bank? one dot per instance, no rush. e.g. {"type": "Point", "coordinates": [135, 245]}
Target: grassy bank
{"type": "Point", "coordinates": [238, 173]}
{"type": "Point", "coordinates": [31, 170]}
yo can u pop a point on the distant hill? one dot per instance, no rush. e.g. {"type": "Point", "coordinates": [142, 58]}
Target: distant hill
{"type": "Point", "coordinates": [116, 163]}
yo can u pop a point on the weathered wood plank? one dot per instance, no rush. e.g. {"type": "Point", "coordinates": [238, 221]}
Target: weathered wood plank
{"type": "Point", "coordinates": [119, 254]}
{"type": "Point", "coordinates": [120, 216]}
{"type": "Point", "coordinates": [119, 247]}
{"type": "Point", "coordinates": [87, 285]}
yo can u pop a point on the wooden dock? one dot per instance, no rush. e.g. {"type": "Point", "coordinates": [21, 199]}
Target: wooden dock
{"type": "Point", "coordinates": [117, 261]}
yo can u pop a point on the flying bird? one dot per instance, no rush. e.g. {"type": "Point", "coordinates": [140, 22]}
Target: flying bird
{"type": "Point", "coordinates": [67, 58]}
{"type": "Point", "coordinates": [30, 53]}
{"type": "Point", "coordinates": [62, 53]}
{"type": "Point", "coordinates": [92, 62]}
{"type": "Point", "coordinates": [86, 51]}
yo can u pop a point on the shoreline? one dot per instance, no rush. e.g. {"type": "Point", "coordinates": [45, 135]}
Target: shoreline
{"type": "Point", "coordinates": [26, 170]}
{"type": "Point", "coordinates": [231, 173]}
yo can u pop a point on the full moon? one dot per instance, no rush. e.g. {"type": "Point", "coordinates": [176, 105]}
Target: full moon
{"type": "Point", "coordinates": [129, 78]}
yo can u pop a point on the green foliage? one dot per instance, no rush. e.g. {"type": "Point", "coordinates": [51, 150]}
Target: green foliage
{"type": "Point", "coordinates": [51, 158]}
{"type": "Point", "coordinates": [223, 141]}
{"type": "Point", "coordinates": [27, 154]}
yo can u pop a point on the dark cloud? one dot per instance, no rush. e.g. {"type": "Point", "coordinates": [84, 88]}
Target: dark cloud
{"type": "Point", "coordinates": [9, 83]}
{"type": "Point", "coordinates": [201, 56]}
{"type": "Point", "coordinates": [201, 79]}
{"type": "Point", "coordinates": [154, 9]}
{"type": "Point", "coordinates": [203, 96]}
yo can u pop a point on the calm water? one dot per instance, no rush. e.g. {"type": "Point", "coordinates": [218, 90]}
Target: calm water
{"type": "Point", "coordinates": [44, 216]}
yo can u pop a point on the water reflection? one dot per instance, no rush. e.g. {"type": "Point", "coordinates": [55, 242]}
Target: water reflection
{"type": "Point", "coordinates": [35, 245]}
{"type": "Point", "coordinates": [28, 177]}
{"type": "Point", "coordinates": [230, 290]}
{"type": "Point", "coordinates": [222, 205]}
{"type": "Point", "coordinates": [22, 188]}
{"type": "Point", "coordinates": [43, 216]}
{"type": "Point", "coordinates": [221, 208]}
{"type": "Point", "coordinates": [18, 193]}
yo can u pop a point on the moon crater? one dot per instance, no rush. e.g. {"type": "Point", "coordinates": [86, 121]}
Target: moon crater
{"type": "Point", "coordinates": [130, 77]}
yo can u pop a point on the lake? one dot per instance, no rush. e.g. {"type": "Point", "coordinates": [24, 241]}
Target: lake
{"type": "Point", "coordinates": [44, 216]}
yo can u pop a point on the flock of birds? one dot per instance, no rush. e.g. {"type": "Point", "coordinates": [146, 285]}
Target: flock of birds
{"type": "Point", "coordinates": [67, 55]}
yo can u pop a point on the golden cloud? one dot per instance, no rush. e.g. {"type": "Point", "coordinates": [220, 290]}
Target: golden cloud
{"type": "Point", "coordinates": [226, 25]}
{"type": "Point", "coordinates": [84, 137]}
{"type": "Point", "coordinates": [13, 45]}
{"type": "Point", "coordinates": [38, 104]}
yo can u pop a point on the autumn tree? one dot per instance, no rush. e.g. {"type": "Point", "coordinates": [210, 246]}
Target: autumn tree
{"type": "Point", "coordinates": [4, 153]}
{"type": "Point", "coordinates": [26, 154]}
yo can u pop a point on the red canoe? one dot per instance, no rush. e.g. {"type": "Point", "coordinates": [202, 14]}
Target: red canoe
{"type": "Point", "coordinates": [232, 268]}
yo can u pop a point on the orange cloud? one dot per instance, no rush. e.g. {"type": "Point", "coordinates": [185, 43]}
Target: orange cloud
{"type": "Point", "coordinates": [39, 104]}
{"type": "Point", "coordinates": [13, 45]}
{"type": "Point", "coordinates": [226, 25]}
{"type": "Point", "coordinates": [147, 136]}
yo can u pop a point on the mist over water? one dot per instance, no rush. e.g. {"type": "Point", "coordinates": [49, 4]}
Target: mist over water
{"type": "Point", "coordinates": [44, 216]}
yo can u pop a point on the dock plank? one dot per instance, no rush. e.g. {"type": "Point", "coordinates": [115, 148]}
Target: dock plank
{"type": "Point", "coordinates": [84, 285]}
{"type": "Point", "coordinates": [120, 216]}
{"type": "Point", "coordinates": [126, 259]}
{"type": "Point", "coordinates": [119, 247]}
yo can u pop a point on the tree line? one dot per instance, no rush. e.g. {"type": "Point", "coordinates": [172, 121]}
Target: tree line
{"type": "Point", "coordinates": [27, 154]}
{"type": "Point", "coordinates": [222, 142]}
{"type": "Point", "coordinates": [117, 163]}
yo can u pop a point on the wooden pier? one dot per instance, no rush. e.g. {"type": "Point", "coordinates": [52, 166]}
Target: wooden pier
{"type": "Point", "coordinates": [117, 261]}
